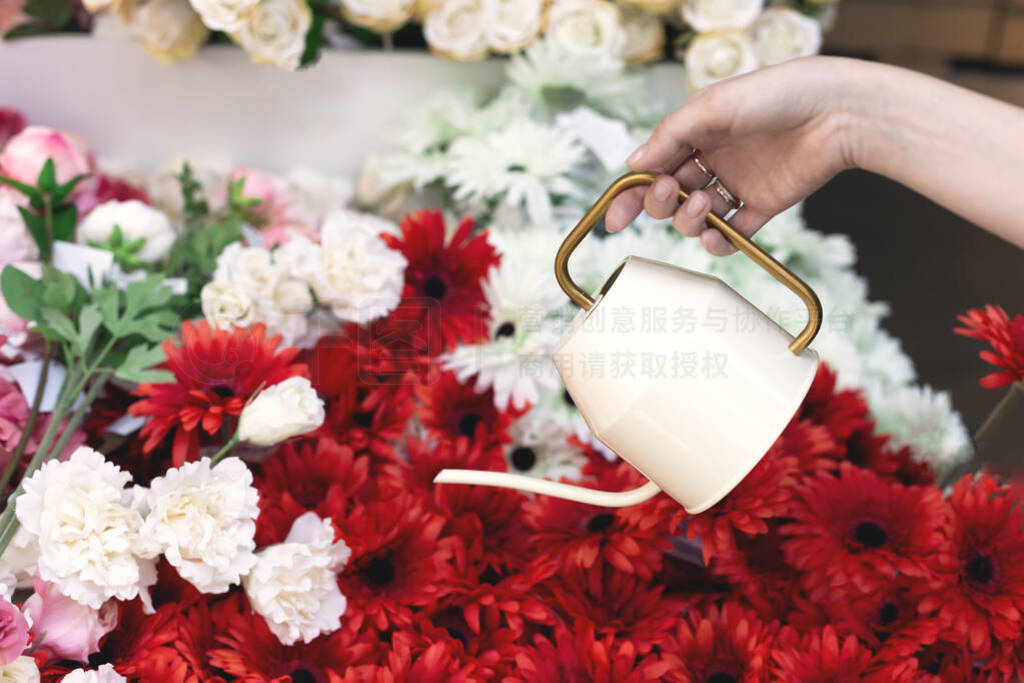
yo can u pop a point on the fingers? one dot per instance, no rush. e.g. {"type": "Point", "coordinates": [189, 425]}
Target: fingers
{"type": "Point", "coordinates": [746, 221]}
{"type": "Point", "coordinates": [689, 218]}
{"type": "Point", "coordinates": [662, 198]}
{"type": "Point", "coordinates": [624, 209]}
{"type": "Point", "coordinates": [674, 138]}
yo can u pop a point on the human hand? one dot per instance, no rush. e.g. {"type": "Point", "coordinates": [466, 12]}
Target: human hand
{"type": "Point", "coordinates": [772, 136]}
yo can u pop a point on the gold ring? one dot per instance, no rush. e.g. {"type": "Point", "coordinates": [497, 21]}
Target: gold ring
{"type": "Point", "coordinates": [704, 168]}
{"type": "Point", "coordinates": [724, 193]}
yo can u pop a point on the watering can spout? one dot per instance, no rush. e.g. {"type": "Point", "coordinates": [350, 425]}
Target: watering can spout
{"type": "Point", "coordinates": [579, 494]}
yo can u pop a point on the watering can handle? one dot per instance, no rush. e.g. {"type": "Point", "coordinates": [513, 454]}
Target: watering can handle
{"type": "Point", "coordinates": [608, 499]}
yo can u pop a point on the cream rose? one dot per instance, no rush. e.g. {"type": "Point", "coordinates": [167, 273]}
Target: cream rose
{"type": "Point", "coordinates": [226, 306]}
{"type": "Point", "coordinates": [421, 8]}
{"type": "Point", "coordinates": [275, 32]}
{"type": "Point", "coordinates": [21, 670]}
{"type": "Point", "coordinates": [380, 16]}
{"type": "Point", "coordinates": [223, 15]}
{"type": "Point", "coordinates": [294, 586]}
{"type": "Point", "coordinates": [511, 25]}
{"type": "Point", "coordinates": [136, 220]}
{"type": "Point", "coordinates": [169, 29]}
{"type": "Point", "coordinates": [202, 519]}
{"type": "Point", "coordinates": [586, 27]}
{"type": "Point", "coordinates": [457, 30]}
{"type": "Point", "coordinates": [645, 37]}
{"type": "Point", "coordinates": [709, 15]}
{"type": "Point", "coordinates": [782, 33]}
{"type": "Point", "coordinates": [281, 411]}
{"type": "Point", "coordinates": [651, 6]}
{"type": "Point", "coordinates": [718, 54]}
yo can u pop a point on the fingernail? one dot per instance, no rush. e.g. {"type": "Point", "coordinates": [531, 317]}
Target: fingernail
{"type": "Point", "coordinates": [662, 190]}
{"type": "Point", "coordinates": [637, 155]}
{"type": "Point", "coordinates": [696, 205]}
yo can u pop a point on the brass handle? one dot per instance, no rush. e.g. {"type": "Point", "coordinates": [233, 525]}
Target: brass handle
{"type": "Point", "coordinates": [735, 238]}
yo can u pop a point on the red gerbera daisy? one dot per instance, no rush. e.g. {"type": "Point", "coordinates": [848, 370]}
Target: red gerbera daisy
{"type": "Point", "coordinates": [890, 621]}
{"type": "Point", "coordinates": [215, 373]}
{"type": "Point", "coordinates": [1005, 335]}
{"type": "Point", "coordinates": [821, 658]}
{"type": "Point", "coordinates": [723, 644]}
{"type": "Point", "coordinates": [413, 657]}
{"type": "Point", "coordinates": [872, 451]}
{"type": "Point", "coordinates": [144, 646]}
{"type": "Point", "coordinates": [578, 655]}
{"type": "Point", "coordinates": [945, 662]}
{"type": "Point", "coordinates": [756, 568]}
{"type": "Point", "coordinates": [451, 410]}
{"type": "Point", "coordinates": [443, 281]}
{"type": "Point", "coordinates": [399, 561]}
{"type": "Point", "coordinates": [578, 535]}
{"type": "Point", "coordinates": [983, 569]}
{"type": "Point", "coordinates": [854, 532]}
{"type": "Point", "coordinates": [812, 444]}
{"type": "Point", "coordinates": [841, 412]}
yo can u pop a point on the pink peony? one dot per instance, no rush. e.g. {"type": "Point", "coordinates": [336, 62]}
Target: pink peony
{"type": "Point", "coordinates": [11, 120]}
{"type": "Point", "coordinates": [65, 628]}
{"type": "Point", "coordinates": [13, 632]}
{"type": "Point", "coordinates": [24, 155]}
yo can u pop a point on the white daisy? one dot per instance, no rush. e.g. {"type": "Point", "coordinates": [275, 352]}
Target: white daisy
{"type": "Point", "coordinates": [528, 165]}
{"type": "Point", "coordinates": [540, 448]}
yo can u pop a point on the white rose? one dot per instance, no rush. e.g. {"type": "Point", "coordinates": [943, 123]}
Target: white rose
{"type": "Point", "coordinates": [169, 29]}
{"type": "Point", "coordinates": [717, 55]}
{"type": "Point", "coordinates": [782, 33]}
{"type": "Point", "coordinates": [136, 220]}
{"type": "Point", "coordinates": [645, 37]}
{"type": "Point", "coordinates": [275, 32]}
{"type": "Point", "coordinates": [105, 674]}
{"type": "Point", "coordinates": [352, 271]}
{"type": "Point", "coordinates": [223, 15]}
{"type": "Point", "coordinates": [421, 8]}
{"type": "Point", "coordinates": [511, 25]}
{"type": "Point", "coordinates": [87, 537]}
{"type": "Point", "coordinates": [294, 586]}
{"type": "Point", "coordinates": [226, 305]}
{"type": "Point", "coordinates": [202, 519]}
{"type": "Point", "coordinates": [708, 15]}
{"type": "Point", "coordinates": [21, 670]}
{"type": "Point", "coordinates": [380, 16]}
{"type": "Point", "coordinates": [586, 27]}
{"type": "Point", "coordinates": [457, 30]}
{"type": "Point", "coordinates": [281, 411]}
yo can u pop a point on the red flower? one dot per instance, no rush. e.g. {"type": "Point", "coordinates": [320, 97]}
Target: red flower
{"type": "Point", "coordinates": [399, 561]}
{"type": "Point", "coordinates": [11, 123]}
{"type": "Point", "coordinates": [452, 410]}
{"type": "Point", "coordinates": [945, 662]}
{"type": "Point", "coordinates": [724, 644]}
{"type": "Point", "coordinates": [101, 188]}
{"type": "Point", "coordinates": [841, 412]}
{"type": "Point", "coordinates": [443, 281]}
{"type": "Point", "coordinates": [578, 535]}
{"type": "Point", "coordinates": [578, 655]}
{"type": "Point", "coordinates": [144, 647]}
{"type": "Point", "coordinates": [891, 621]}
{"type": "Point", "coordinates": [756, 568]}
{"type": "Point", "coordinates": [1005, 335]}
{"type": "Point", "coordinates": [414, 657]}
{"type": "Point", "coordinates": [983, 569]}
{"type": "Point", "coordinates": [821, 658]}
{"type": "Point", "coordinates": [215, 373]}
{"type": "Point", "coordinates": [872, 451]}
{"type": "Point", "coordinates": [854, 532]}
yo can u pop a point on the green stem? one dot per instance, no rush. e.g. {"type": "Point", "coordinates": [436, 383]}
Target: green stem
{"type": "Point", "coordinates": [30, 422]}
{"type": "Point", "coordinates": [48, 224]}
{"type": "Point", "coordinates": [225, 449]}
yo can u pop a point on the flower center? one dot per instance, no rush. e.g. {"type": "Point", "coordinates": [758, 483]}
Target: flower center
{"type": "Point", "coordinates": [222, 391]}
{"type": "Point", "coordinates": [568, 399]}
{"type": "Point", "coordinates": [490, 576]}
{"type": "Point", "coordinates": [303, 676]}
{"type": "Point", "coordinates": [889, 613]}
{"type": "Point", "coordinates": [468, 423]}
{"type": "Point", "coordinates": [869, 535]}
{"type": "Point", "coordinates": [363, 419]}
{"type": "Point", "coordinates": [722, 677]}
{"type": "Point", "coordinates": [523, 458]}
{"type": "Point", "coordinates": [600, 523]}
{"type": "Point", "coordinates": [980, 569]}
{"type": "Point", "coordinates": [379, 572]}
{"type": "Point", "coordinates": [515, 168]}
{"type": "Point", "coordinates": [506, 329]}
{"type": "Point", "coordinates": [435, 287]}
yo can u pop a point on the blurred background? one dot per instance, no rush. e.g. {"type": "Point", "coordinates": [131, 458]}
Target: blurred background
{"type": "Point", "coordinates": [930, 264]}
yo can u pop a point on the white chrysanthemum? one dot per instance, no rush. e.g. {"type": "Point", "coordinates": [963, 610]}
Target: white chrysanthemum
{"type": "Point", "coordinates": [294, 585]}
{"type": "Point", "coordinates": [540, 448]}
{"type": "Point", "coordinates": [525, 165]}
{"type": "Point", "coordinates": [87, 537]}
{"type": "Point", "coordinates": [715, 55]}
{"type": "Point", "coordinates": [105, 674]}
{"type": "Point", "coordinates": [202, 519]}
{"type": "Point", "coordinates": [516, 362]}
{"type": "Point", "coordinates": [352, 271]}
{"type": "Point", "coordinates": [812, 253]}
{"type": "Point", "coordinates": [782, 33]}
{"type": "Point", "coordinates": [925, 420]}
{"type": "Point", "coordinates": [21, 670]}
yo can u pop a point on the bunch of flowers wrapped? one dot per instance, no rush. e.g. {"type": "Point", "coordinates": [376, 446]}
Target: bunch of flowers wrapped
{"type": "Point", "coordinates": [716, 38]}
{"type": "Point", "coordinates": [244, 496]}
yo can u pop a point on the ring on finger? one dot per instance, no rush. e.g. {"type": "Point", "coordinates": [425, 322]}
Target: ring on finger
{"type": "Point", "coordinates": [724, 193]}
{"type": "Point", "coordinates": [703, 167]}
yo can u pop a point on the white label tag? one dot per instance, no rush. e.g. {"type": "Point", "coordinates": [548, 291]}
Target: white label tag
{"type": "Point", "coordinates": [27, 376]}
{"type": "Point", "coordinates": [608, 139]}
{"type": "Point", "coordinates": [127, 424]}
{"type": "Point", "coordinates": [81, 261]}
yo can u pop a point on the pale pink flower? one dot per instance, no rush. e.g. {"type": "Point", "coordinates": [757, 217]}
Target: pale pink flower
{"type": "Point", "coordinates": [280, 208]}
{"type": "Point", "coordinates": [24, 154]}
{"type": "Point", "coordinates": [13, 632]}
{"type": "Point", "coordinates": [65, 628]}
{"type": "Point", "coordinates": [17, 241]}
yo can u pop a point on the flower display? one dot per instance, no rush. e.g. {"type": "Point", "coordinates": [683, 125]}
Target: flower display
{"type": "Point", "coordinates": [147, 229]}
{"type": "Point", "coordinates": [67, 628]}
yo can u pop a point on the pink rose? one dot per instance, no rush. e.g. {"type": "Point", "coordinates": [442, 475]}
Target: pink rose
{"type": "Point", "coordinates": [13, 632]}
{"type": "Point", "coordinates": [68, 629]}
{"type": "Point", "coordinates": [24, 155]}
{"type": "Point", "coordinates": [11, 120]}
{"type": "Point", "coordinates": [17, 242]}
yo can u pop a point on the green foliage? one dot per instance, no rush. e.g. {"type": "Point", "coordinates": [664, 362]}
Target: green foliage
{"type": "Point", "coordinates": [44, 16]}
{"type": "Point", "coordinates": [49, 216]}
{"type": "Point", "coordinates": [125, 251]}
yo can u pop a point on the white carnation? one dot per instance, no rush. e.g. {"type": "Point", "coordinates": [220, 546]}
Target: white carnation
{"type": "Point", "coordinates": [281, 411]}
{"type": "Point", "coordinates": [710, 15]}
{"type": "Point", "coordinates": [716, 55]}
{"type": "Point", "coordinates": [294, 586]}
{"type": "Point", "coordinates": [274, 32]}
{"type": "Point", "coordinates": [782, 33]}
{"type": "Point", "coordinates": [105, 674]}
{"type": "Point", "coordinates": [136, 221]}
{"type": "Point", "coordinates": [223, 15]}
{"type": "Point", "coordinates": [586, 27]}
{"type": "Point", "coordinates": [226, 305]}
{"type": "Point", "coordinates": [87, 537]}
{"type": "Point", "coordinates": [18, 563]}
{"type": "Point", "coordinates": [202, 519]}
{"type": "Point", "coordinates": [457, 30]}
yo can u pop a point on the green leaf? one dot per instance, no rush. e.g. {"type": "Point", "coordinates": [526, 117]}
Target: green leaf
{"type": "Point", "coordinates": [37, 229]}
{"type": "Point", "coordinates": [155, 327]}
{"type": "Point", "coordinates": [61, 324]}
{"type": "Point", "coordinates": [89, 320]}
{"type": "Point", "coordinates": [58, 289]}
{"type": "Point", "coordinates": [22, 293]}
{"type": "Point", "coordinates": [21, 187]}
{"type": "Point", "coordinates": [64, 191]}
{"type": "Point", "coordinates": [108, 297]}
{"type": "Point", "coordinates": [64, 220]}
{"type": "Point", "coordinates": [139, 358]}
{"type": "Point", "coordinates": [150, 292]}
{"type": "Point", "coordinates": [25, 30]}
{"type": "Point", "coordinates": [47, 180]}
{"type": "Point", "coordinates": [52, 13]}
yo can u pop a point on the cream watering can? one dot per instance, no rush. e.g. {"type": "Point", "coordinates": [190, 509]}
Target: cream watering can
{"type": "Point", "coordinates": [694, 432]}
